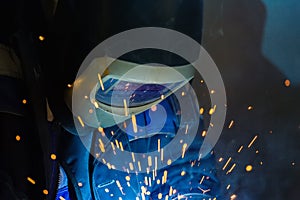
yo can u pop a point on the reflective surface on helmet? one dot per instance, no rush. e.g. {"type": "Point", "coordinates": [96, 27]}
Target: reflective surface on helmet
{"type": "Point", "coordinates": [160, 119]}
{"type": "Point", "coordinates": [139, 93]}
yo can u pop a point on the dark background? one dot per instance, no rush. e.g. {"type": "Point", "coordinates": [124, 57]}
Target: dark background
{"type": "Point", "coordinates": [255, 45]}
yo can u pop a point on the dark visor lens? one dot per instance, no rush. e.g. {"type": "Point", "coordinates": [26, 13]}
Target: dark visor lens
{"type": "Point", "coordinates": [135, 94]}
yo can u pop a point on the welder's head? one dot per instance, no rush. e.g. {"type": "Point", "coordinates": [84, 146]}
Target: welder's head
{"type": "Point", "coordinates": [124, 89]}
{"type": "Point", "coordinates": [135, 73]}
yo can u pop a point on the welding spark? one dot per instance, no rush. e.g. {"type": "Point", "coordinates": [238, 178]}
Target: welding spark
{"type": "Point", "coordinates": [100, 81]}
{"type": "Point", "coordinates": [253, 140]}
{"type": "Point", "coordinates": [31, 180]}
{"type": "Point", "coordinates": [133, 119]}
{"type": "Point", "coordinates": [158, 145]}
{"type": "Point", "coordinates": [183, 150]}
{"type": "Point", "coordinates": [228, 161]}
{"type": "Point", "coordinates": [231, 169]}
{"type": "Point", "coordinates": [101, 146]}
{"type": "Point", "coordinates": [231, 124]}
{"type": "Point", "coordinates": [203, 191]}
{"type": "Point", "coordinates": [240, 149]}
{"type": "Point", "coordinates": [125, 107]}
{"type": "Point", "coordinates": [80, 121]}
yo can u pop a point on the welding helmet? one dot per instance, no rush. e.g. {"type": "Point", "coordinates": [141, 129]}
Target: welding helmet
{"type": "Point", "coordinates": [124, 89]}
{"type": "Point", "coordinates": [114, 18]}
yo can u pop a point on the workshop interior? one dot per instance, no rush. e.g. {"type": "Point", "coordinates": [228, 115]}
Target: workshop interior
{"type": "Point", "coordinates": [149, 100]}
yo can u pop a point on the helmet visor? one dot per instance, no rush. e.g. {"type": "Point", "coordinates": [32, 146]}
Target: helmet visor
{"type": "Point", "coordinates": [115, 92]}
